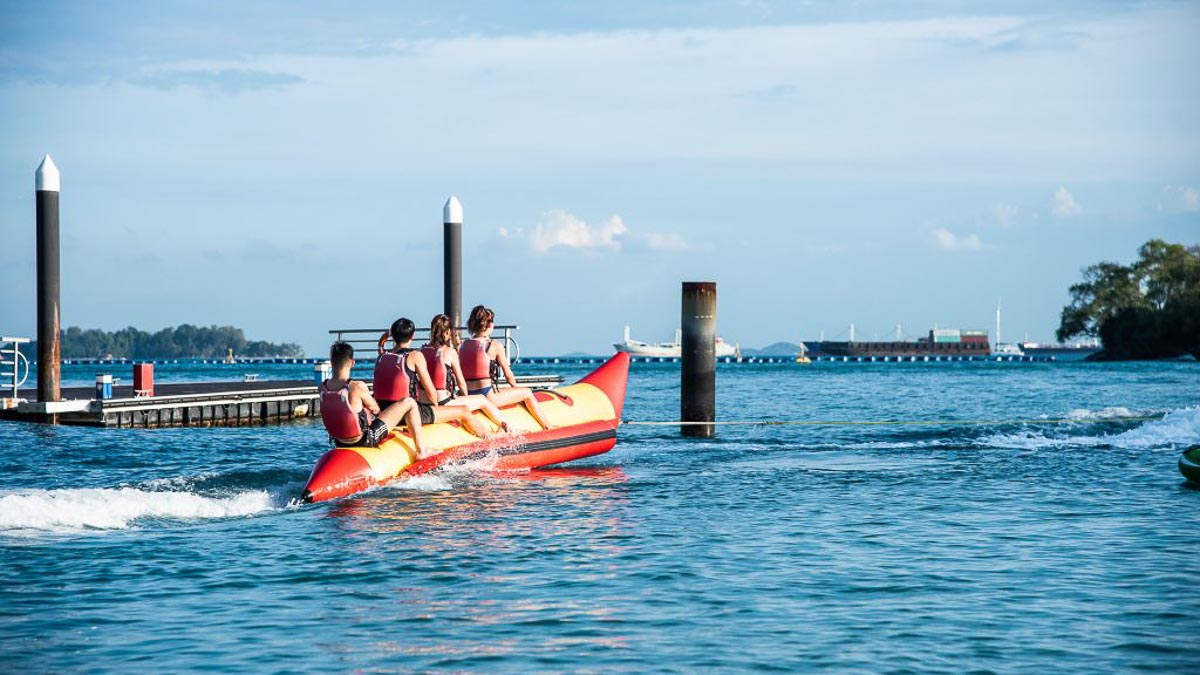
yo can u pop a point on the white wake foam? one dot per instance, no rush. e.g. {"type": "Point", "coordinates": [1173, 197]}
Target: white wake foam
{"type": "Point", "coordinates": [1116, 413]}
{"type": "Point", "coordinates": [74, 510]}
{"type": "Point", "coordinates": [426, 482]}
{"type": "Point", "coordinates": [1177, 428]}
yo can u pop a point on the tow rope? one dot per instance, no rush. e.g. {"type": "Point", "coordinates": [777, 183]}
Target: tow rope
{"type": "Point", "coordinates": [880, 423]}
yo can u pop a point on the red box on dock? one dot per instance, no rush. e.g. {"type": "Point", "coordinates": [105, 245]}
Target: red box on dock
{"type": "Point", "coordinates": [143, 379]}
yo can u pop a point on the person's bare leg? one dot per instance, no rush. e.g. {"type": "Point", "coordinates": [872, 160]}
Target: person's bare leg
{"type": "Point", "coordinates": [531, 402]}
{"type": "Point", "coordinates": [478, 402]}
{"type": "Point", "coordinates": [414, 424]}
{"type": "Point", "coordinates": [406, 410]}
{"type": "Point", "coordinates": [522, 395]}
{"type": "Point", "coordinates": [462, 414]}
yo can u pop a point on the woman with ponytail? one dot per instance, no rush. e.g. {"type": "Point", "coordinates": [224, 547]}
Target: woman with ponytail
{"type": "Point", "coordinates": [483, 360]}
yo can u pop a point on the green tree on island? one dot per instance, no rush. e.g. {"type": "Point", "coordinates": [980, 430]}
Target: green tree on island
{"type": "Point", "coordinates": [169, 343]}
{"type": "Point", "coordinates": [1147, 310]}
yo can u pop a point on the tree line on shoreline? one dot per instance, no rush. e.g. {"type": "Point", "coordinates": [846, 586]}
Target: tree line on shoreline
{"type": "Point", "coordinates": [1149, 309]}
{"type": "Point", "coordinates": [185, 341]}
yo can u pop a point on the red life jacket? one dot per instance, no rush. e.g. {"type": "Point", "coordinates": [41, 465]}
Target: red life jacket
{"type": "Point", "coordinates": [437, 369]}
{"type": "Point", "coordinates": [473, 357]}
{"type": "Point", "coordinates": [340, 419]}
{"type": "Point", "coordinates": [393, 379]}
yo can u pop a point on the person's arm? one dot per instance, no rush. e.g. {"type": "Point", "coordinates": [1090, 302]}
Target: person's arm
{"type": "Point", "coordinates": [456, 370]}
{"type": "Point", "coordinates": [364, 395]}
{"type": "Point", "coordinates": [423, 376]}
{"type": "Point", "coordinates": [502, 359]}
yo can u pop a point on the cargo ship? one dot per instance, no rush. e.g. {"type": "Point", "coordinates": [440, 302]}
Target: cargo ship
{"type": "Point", "coordinates": [668, 349]}
{"type": "Point", "coordinates": [1072, 350]}
{"type": "Point", "coordinates": [939, 342]}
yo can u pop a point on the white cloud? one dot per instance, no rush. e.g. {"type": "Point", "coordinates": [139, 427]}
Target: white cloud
{"type": "Point", "coordinates": [563, 229]}
{"type": "Point", "coordinates": [1181, 198]}
{"type": "Point", "coordinates": [560, 228]}
{"type": "Point", "coordinates": [665, 242]}
{"type": "Point", "coordinates": [1006, 214]}
{"type": "Point", "coordinates": [553, 95]}
{"type": "Point", "coordinates": [1064, 204]}
{"type": "Point", "coordinates": [1190, 199]}
{"type": "Point", "coordinates": [948, 241]}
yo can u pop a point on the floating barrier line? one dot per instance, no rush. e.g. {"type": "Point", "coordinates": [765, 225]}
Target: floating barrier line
{"type": "Point", "coordinates": [880, 423]}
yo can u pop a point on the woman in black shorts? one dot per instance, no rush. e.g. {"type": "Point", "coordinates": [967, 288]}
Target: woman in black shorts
{"type": "Point", "coordinates": [399, 373]}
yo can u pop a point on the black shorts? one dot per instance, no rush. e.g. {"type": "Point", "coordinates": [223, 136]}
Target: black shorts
{"type": "Point", "coordinates": [373, 435]}
{"type": "Point", "coordinates": [423, 409]}
{"type": "Point", "coordinates": [426, 412]}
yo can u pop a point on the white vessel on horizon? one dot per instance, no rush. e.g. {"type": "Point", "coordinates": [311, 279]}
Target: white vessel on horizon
{"type": "Point", "coordinates": [1008, 349]}
{"type": "Point", "coordinates": [669, 349]}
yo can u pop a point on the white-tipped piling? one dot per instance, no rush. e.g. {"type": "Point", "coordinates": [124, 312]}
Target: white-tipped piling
{"type": "Point", "coordinates": [46, 178]}
{"type": "Point", "coordinates": [452, 217]}
{"type": "Point", "coordinates": [452, 211]}
{"type": "Point", "coordinates": [49, 284]}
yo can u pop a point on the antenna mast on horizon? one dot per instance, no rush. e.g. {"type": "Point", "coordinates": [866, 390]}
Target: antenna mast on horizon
{"type": "Point", "coordinates": [997, 323]}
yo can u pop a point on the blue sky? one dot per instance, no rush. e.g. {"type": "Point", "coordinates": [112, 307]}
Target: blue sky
{"type": "Point", "coordinates": [282, 166]}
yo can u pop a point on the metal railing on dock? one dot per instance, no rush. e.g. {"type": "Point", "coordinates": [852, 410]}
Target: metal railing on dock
{"type": "Point", "coordinates": [367, 339]}
{"type": "Point", "coordinates": [11, 359]}
{"type": "Point", "coordinates": [355, 336]}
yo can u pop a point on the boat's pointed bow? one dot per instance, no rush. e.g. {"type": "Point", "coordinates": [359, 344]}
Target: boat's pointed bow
{"type": "Point", "coordinates": [611, 378]}
{"type": "Point", "coordinates": [338, 473]}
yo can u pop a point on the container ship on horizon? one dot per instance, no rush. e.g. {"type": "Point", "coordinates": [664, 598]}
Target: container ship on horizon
{"type": "Point", "coordinates": [939, 342]}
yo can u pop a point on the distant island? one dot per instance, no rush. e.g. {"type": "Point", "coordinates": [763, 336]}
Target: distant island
{"type": "Point", "coordinates": [1147, 310]}
{"type": "Point", "coordinates": [185, 341]}
{"type": "Point", "coordinates": [774, 349]}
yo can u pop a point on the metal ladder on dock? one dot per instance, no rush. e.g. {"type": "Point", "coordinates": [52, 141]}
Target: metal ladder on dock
{"type": "Point", "coordinates": [11, 359]}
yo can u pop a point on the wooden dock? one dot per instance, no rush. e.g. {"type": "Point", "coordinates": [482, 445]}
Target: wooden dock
{"type": "Point", "coordinates": [199, 404]}
{"type": "Point", "coordinates": [192, 404]}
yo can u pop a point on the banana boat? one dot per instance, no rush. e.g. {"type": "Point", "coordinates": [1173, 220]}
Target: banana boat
{"type": "Point", "coordinates": [585, 416]}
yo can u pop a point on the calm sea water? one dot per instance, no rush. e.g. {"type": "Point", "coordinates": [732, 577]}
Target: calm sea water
{"type": "Point", "coordinates": [1009, 547]}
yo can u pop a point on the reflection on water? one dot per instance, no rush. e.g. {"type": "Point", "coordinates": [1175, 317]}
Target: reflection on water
{"type": "Point", "coordinates": [495, 504]}
{"type": "Point", "coordinates": [472, 554]}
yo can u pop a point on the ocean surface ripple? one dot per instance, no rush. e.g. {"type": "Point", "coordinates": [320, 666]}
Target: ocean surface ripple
{"type": "Point", "coordinates": [1010, 545]}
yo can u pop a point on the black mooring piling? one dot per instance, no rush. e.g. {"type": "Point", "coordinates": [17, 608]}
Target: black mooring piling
{"type": "Point", "coordinates": [48, 281]}
{"type": "Point", "coordinates": [698, 362]}
{"type": "Point", "coordinates": [452, 259]}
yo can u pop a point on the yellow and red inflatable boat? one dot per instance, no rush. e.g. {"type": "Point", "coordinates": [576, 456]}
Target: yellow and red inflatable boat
{"type": "Point", "coordinates": [585, 416]}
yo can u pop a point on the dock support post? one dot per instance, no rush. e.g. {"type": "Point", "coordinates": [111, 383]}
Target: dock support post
{"type": "Point", "coordinates": [452, 260]}
{"type": "Point", "coordinates": [698, 363]}
{"type": "Point", "coordinates": [48, 283]}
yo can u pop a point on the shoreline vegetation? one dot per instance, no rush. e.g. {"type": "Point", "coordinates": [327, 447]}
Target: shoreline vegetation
{"type": "Point", "coordinates": [1149, 309]}
{"type": "Point", "coordinates": [184, 341]}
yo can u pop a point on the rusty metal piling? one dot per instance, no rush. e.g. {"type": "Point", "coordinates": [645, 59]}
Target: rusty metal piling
{"type": "Point", "coordinates": [698, 362]}
{"type": "Point", "coordinates": [48, 282]}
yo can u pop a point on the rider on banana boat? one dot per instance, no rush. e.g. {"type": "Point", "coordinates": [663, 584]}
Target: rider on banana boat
{"type": "Point", "coordinates": [352, 416]}
{"type": "Point", "coordinates": [483, 360]}
{"type": "Point", "coordinates": [401, 371]}
{"type": "Point", "coordinates": [441, 358]}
